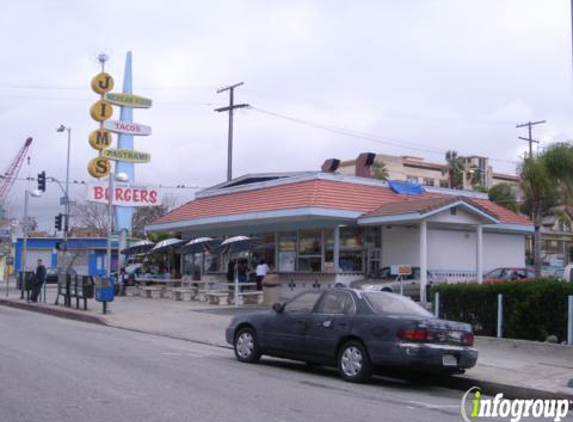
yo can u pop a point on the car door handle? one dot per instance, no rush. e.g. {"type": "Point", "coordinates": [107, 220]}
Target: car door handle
{"type": "Point", "coordinates": [325, 324]}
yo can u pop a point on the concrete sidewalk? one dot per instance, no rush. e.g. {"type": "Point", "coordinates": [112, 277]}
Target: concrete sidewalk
{"type": "Point", "coordinates": [520, 369]}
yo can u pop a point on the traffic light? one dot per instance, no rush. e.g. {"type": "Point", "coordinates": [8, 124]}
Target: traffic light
{"type": "Point", "coordinates": [58, 223]}
{"type": "Point", "coordinates": [42, 181]}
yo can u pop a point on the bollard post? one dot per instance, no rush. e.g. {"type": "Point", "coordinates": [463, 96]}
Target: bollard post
{"type": "Point", "coordinates": [437, 305]}
{"type": "Point", "coordinates": [570, 322]}
{"type": "Point", "coordinates": [499, 315]}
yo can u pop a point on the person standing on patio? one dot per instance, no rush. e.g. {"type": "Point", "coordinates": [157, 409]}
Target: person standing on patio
{"type": "Point", "coordinates": [242, 270]}
{"type": "Point", "coordinates": [262, 270]}
{"type": "Point", "coordinates": [231, 271]}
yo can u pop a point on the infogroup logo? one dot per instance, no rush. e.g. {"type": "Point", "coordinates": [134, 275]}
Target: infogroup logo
{"type": "Point", "coordinates": [477, 407]}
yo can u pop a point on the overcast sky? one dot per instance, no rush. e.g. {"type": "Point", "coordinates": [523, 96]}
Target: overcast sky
{"type": "Point", "coordinates": [414, 77]}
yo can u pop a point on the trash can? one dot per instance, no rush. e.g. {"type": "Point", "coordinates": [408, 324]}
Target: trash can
{"type": "Point", "coordinates": [271, 289]}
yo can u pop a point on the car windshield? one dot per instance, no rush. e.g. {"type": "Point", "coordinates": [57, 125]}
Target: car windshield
{"type": "Point", "coordinates": [389, 303]}
{"type": "Point", "coordinates": [495, 273]}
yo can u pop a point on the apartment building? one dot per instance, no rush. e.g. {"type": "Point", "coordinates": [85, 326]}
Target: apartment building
{"type": "Point", "coordinates": [418, 170]}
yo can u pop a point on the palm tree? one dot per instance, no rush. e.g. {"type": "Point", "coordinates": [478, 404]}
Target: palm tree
{"type": "Point", "coordinates": [474, 176]}
{"type": "Point", "coordinates": [454, 168]}
{"type": "Point", "coordinates": [379, 170]}
{"type": "Point", "coordinates": [547, 181]}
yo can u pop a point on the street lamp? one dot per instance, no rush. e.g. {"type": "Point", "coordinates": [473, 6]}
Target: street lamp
{"type": "Point", "coordinates": [61, 129]}
{"type": "Point", "coordinates": [120, 177]}
{"type": "Point", "coordinates": [27, 194]}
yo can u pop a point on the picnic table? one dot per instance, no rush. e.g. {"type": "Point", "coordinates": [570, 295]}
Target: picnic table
{"type": "Point", "coordinates": [247, 292]}
{"type": "Point", "coordinates": [167, 282]}
{"type": "Point", "coordinates": [193, 289]}
{"type": "Point", "coordinates": [157, 287]}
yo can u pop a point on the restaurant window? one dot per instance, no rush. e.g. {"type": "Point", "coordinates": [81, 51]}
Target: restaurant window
{"type": "Point", "coordinates": [351, 249]}
{"type": "Point", "coordinates": [287, 251]}
{"type": "Point", "coordinates": [444, 184]}
{"type": "Point", "coordinates": [412, 179]}
{"type": "Point", "coordinates": [213, 263]}
{"type": "Point", "coordinates": [310, 250]}
{"type": "Point", "coordinates": [351, 257]}
{"type": "Point", "coordinates": [428, 182]}
{"type": "Point", "coordinates": [266, 251]}
{"type": "Point", "coordinates": [192, 267]}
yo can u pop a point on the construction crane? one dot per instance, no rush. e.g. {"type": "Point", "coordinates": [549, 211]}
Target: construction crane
{"type": "Point", "coordinates": [8, 178]}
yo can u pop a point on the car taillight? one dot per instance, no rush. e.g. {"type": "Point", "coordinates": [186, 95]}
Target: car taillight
{"type": "Point", "coordinates": [413, 334]}
{"type": "Point", "coordinates": [468, 339]}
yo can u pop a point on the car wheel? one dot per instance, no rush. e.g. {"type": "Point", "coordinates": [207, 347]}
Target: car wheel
{"type": "Point", "coordinates": [246, 347]}
{"type": "Point", "coordinates": [353, 362]}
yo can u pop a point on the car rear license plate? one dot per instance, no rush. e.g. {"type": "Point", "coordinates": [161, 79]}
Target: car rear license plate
{"type": "Point", "coordinates": [449, 360]}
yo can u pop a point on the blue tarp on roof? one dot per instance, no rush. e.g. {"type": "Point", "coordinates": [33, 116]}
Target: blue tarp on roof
{"type": "Point", "coordinates": [406, 188]}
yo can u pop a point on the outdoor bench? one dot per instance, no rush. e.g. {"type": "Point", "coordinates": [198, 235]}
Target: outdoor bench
{"type": "Point", "coordinates": [184, 293]}
{"type": "Point", "coordinates": [214, 296]}
{"type": "Point", "coordinates": [152, 292]}
{"type": "Point", "coordinates": [251, 297]}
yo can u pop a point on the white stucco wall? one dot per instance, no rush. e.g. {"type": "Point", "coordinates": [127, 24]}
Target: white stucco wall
{"type": "Point", "coordinates": [400, 245]}
{"type": "Point", "coordinates": [451, 249]}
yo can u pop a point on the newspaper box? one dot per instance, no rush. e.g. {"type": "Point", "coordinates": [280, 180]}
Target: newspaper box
{"type": "Point", "coordinates": [104, 291]}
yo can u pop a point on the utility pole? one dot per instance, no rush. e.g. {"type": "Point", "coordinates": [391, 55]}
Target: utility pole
{"type": "Point", "coordinates": [230, 109]}
{"type": "Point", "coordinates": [530, 139]}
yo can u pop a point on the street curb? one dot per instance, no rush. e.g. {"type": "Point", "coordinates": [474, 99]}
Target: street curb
{"type": "Point", "coordinates": [171, 336]}
{"type": "Point", "coordinates": [464, 383]}
{"type": "Point", "coordinates": [49, 310]}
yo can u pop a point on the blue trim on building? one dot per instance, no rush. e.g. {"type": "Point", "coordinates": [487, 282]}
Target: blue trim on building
{"type": "Point", "coordinates": [96, 247]}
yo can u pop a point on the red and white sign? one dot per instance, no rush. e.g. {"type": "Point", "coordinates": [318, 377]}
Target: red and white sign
{"type": "Point", "coordinates": [129, 128]}
{"type": "Point", "coordinates": [125, 195]}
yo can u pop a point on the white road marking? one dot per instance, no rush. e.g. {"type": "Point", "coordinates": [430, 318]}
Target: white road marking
{"type": "Point", "coordinates": [434, 406]}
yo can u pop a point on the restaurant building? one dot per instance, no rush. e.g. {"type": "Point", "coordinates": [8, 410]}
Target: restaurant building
{"type": "Point", "coordinates": [321, 228]}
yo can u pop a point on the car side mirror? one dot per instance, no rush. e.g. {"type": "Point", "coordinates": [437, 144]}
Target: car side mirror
{"type": "Point", "coordinates": [278, 307]}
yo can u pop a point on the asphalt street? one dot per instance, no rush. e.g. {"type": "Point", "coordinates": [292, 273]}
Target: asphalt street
{"type": "Point", "coordinates": [55, 370]}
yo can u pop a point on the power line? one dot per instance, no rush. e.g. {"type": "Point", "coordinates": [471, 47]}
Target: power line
{"type": "Point", "coordinates": [292, 99]}
{"type": "Point", "coordinates": [366, 136]}
{"type": "Point", "coordinates": [83, 182]}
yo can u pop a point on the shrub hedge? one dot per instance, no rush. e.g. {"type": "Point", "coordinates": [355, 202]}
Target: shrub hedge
{"type": "Point", "coordinates": [531, 310]}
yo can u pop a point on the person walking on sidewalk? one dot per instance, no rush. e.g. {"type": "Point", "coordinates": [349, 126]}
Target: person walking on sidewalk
{"type": "Point", "coordinates": [39, 279]}
{"type": "Point", "coordinates": [262, 270]}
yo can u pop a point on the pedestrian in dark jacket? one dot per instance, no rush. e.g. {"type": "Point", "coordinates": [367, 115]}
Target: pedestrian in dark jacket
{"type": "Point", "coordinates": [39, 279]}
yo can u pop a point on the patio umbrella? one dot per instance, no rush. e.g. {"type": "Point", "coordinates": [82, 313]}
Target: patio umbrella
{"type": "Point", "coordinates": [201, 244]}
{"type": "Point", "coordinates": [167, 246]}
{"type": "Point", "coordinates": [135, 248]}
{"type": "Point", "coordinates": [234, 245]}
{"type": "Point", "coordinates": [237, 244]}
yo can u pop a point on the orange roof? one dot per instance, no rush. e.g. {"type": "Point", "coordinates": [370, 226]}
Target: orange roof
{"type": "Point", "coordinates": [330, 194]}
